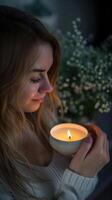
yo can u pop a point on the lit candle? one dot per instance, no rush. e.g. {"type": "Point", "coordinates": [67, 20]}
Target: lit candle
{"type": "Point", "coordinates": [67, 137]}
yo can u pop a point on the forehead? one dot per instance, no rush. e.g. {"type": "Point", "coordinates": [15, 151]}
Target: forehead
{"type": "Point", "coordinates": [44, 59]}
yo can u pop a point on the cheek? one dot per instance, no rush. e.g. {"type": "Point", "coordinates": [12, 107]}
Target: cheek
{"type": "Point", "coordinates": [29, 92]}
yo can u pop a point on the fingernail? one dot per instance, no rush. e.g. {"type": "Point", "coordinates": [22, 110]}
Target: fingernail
{"type": "Point", "coordinates": [88, 140]}
{"type": "Point", "coordinates": [89, 123]}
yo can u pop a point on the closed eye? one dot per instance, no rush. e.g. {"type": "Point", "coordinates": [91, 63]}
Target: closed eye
{"type": "Point", "coordinates": [37, 79]}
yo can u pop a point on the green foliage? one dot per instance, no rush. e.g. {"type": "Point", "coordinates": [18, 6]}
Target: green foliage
{"type": "Point", "coordinates": [85, 83]}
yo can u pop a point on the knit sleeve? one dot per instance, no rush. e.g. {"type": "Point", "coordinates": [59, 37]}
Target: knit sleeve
{"type": "Point", "coordinates": [75, 187]}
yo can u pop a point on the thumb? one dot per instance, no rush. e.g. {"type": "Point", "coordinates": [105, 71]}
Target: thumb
{"type": "Point", "coordinates": [84, 148]}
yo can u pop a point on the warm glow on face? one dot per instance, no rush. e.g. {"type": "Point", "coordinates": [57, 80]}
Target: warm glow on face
{"type": "Point", "coordinates": [69, 134]}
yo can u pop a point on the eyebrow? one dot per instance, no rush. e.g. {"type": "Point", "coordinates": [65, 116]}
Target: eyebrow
{"type": "Point", "coordinates": [38, 70]}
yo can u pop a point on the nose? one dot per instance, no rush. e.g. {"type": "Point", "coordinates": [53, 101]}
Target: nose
{"type": "Point", "coordinates": [46, 86]}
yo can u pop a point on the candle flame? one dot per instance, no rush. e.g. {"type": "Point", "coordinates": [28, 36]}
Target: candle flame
{"type": "Point", "coordinates": [69, 134]}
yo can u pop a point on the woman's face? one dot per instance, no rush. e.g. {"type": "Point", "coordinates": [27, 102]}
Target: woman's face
{"type": "Point", "coordinates": [37, 86]}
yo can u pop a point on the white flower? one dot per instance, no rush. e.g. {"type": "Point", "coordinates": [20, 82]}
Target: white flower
{"type": "Point", "coordinates": [85, 83]}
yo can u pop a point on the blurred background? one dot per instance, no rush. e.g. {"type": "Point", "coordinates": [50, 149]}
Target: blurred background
{"type": "Point", "coordinates": [95, 26]}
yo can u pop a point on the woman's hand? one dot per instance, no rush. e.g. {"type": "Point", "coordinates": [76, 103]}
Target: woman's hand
{"type": "Point", "coordinates": [93, 153]}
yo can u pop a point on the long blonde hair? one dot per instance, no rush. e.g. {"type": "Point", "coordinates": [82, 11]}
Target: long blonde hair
{"type": "Point", "coordinates": [19, 33]}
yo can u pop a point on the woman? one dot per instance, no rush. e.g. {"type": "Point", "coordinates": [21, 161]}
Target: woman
{"type": "Point", "coordinates": [29, 168]}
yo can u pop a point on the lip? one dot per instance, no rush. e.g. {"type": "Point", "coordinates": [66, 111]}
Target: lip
{"type": "Point", "coordinates": [39, 100]}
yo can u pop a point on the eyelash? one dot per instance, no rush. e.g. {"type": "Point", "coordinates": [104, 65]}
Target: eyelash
{"type": "Point", "coordinates": [36, 80]}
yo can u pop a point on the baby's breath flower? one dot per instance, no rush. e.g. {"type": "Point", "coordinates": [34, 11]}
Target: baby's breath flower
{"type": "Point", "coordinates": [85, 83]}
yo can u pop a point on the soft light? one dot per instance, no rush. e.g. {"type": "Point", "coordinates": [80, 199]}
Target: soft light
{"type": "Point", "coordinates": [67, 137]}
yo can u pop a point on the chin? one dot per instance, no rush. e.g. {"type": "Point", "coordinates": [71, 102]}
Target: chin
{"type": "Point", "coordinates": [32, 109]}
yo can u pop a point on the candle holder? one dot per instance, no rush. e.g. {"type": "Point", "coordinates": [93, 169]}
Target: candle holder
{"type": "Point", "coordinates": [67, 137]}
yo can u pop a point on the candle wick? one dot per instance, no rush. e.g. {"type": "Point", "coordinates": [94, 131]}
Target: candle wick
{"type": "Point", "coordinates": [69, 137]}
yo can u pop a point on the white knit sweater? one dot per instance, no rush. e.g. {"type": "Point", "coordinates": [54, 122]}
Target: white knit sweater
{"type": "Point", "coordinates": [61, 183]}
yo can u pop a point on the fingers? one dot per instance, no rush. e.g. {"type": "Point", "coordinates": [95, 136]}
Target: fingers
{"type": "Point", "coordinates": [97, 130]}
{"type": "Point", "coordinates": [91, 130]}
{"type": "Point", "coordinates": [91, 156]}
{"type": "Point", "coordinates": [98, 135]}
{"type": "Point", "coordinates": [101, 146]}
{"type": "Point", "coordinates": [84, 148]}
{"type": "Point", "coordinates": [100, 141]}
{"type": "Point", "coordinates": [78, 159]}
{"type": "Point", "coordinates": [106, 152]}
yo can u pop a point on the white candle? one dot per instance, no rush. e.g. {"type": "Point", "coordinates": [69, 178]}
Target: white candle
{"type": "Point", "coordinates": [67, 137]}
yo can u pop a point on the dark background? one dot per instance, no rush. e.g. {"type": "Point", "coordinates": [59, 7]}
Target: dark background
{"type": "Point", "coordinates": [96, 22]}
